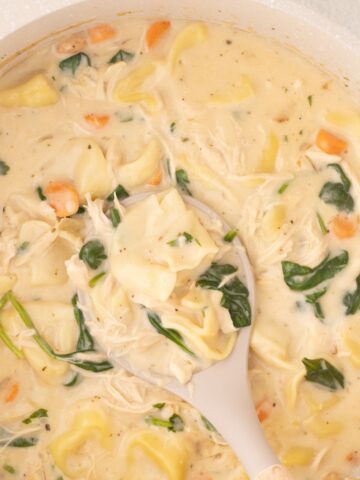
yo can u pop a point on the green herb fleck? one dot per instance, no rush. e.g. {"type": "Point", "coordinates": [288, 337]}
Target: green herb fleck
{"type": "Point", "coordinates": [310, 100]}
{"type": "Point", "coordinates": [322, 372]}
{"type": "Point", "coordinates": [183, 181]}
{"type": "Point", "coordinates": [22, 247]}
{"type": "Point", "coordinates": [170, 333]}
{"type": "Point", "coordinates": [72, 63]}
{"type": "Point", "coordinates": [174, 424]}
{"type": "Point", "coordinates": [172, 127]}
{"type": "Point", "coordinates": [4, 168]}
{"type": "Point", "coordinates": [207, 424]}
{"type": "Point", "coordinates": [115, 218]}
{"type": "Point", "coordinates": [94, 280]}
{"type": "Point", "coordinates": [283, 187]}
{"type": "Point", "coordinates": [352, 300]}
{"type": "Point", "coordinates": [40, 193]}
{"type": "Point", "coordinates": [235, 296]}
{"type": "Point", "coordinates": [9, 468]}
{"type": "Point", "coordinates": [119, 192]}
{"type": "Point", "coordinates": [322, 225]}
{"type": "Point", "coordinates": [93, 253]}
{"type": "Point", "coordinates": [123, 117]}
{"type": "Point", "coordinates": [4, 337]}
{"type": "Point", "coordinates": [122, 56]}
{"type": "Point", "coordinates": [286, 138]}
{"type": "Point", "coordinates": [81, 210]}
{"type": "Point", "coordinates": [183, 239]}
{"type": "Point", "coordinates": [40, 413]}
{"type": "Point", "coordinates": [300, 277]}
{"type": "Point", "coordinates": [230, 235]}
{"type": "Point", "coordinates": [159, 406]}
{"type": "Point", "coordinates": [337, 194]}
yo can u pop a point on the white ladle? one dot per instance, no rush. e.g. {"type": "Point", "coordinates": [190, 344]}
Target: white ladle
{"type": "Point", "coordinates": [222, 392]}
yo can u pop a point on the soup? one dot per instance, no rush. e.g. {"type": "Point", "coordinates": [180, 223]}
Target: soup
{"type": "Point", "coordinates": [105, 137]}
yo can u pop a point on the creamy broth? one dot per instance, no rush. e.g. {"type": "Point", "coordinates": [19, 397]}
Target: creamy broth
{"type": "Point", "coordinates": [260, 135]}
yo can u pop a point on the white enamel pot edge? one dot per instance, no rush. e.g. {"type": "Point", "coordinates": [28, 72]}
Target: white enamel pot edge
{"type": "Point", "coordinates": [324, 42]}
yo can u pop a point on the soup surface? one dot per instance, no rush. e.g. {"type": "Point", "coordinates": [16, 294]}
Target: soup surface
{"type": "Point", "coordinates": [174, 111]}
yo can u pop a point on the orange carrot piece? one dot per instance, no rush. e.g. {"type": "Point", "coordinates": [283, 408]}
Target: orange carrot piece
{"type": "Point", "coordinates": [73, 44]}
{"type": "Point", "coordinates": [14, 390]}
{"type": "Point", "coordinates": [263, 410]}
{"type": "Point", "coordinates": [63, 198]}
{"type": "Point", "coordinates": [156, 178]}
{"type": "Point", "coordinates": [97, 121]}
{"type": "Point", "coordinates": [100, 33]}
{"type": "Point", "coordinates": [328, 143]}
{"type": "Point", "coordinates": [343, 227]}
{"type": "Point", "coordinates": [156, 31]}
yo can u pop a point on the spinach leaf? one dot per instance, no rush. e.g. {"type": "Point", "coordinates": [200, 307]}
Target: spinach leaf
{"type": "Point", "coordinates": [72, 63]}
{"type": "Point", "coordinates": [230, 235]}
{"type": "Point", "coordinates": [122, 56]}
{"type": "Point", "coordinates": [235, 296]}
{"type": "Point", "coordinates": [114, 217]}
{"type": "Point", "coordinates": [119, 192]}
{"type": "Point", "coordinates": [322, 225]}
{"type": "Point", "coordinates": [169, 333]}
{"type": "Point", "coordinates": [9, 343]}
{"type": "Point", "coordinates": [352, 300]}
{"type": "Point", "coordinates": [338, 193]}
{"type": "Point", "coordinates": [300, 278]}
{"type": "Point", "coordinates": [183, 181]}
{"type": "Point", "coordinates": [313, 299]}
{"type": "Point", "coordinates": [93, 281]}
{"type": "Point", "coordinates": [72, 358]}
{"type": "Point", "coordinates": [85, 341]}
{"type": "Point", "coordinates": [40, 193]}
{"type": "Point", "coordinates": [322, 372]}
{"type": "Point", "coordinates": [40, 413]}
{"type": "Point", "coordinates": [4, 168]}
{"type": "Point", "coordinates": [73, 380]}
{"type": "Point", "coordinates": [21, 442]}
{"type": "Point", "coordinates": [183, 239]}
{"type": "Point", "coordinates": [174, 424]}
{"type": "Point", "coordinates": [93, 253]}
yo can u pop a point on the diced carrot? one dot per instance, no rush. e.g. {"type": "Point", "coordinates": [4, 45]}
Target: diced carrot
{"type": "Point", "coordinates": [156, 178]}
{"type": "Point", "coordinates": [11, 395]}
{"type": "Point", "coordinates": [63, 198]}
{"type": "Point", "coordinates": [73, 44]}
{"type": "Point", "coordinates": [343, 227]}
{"type": "Point", "coordinates": [100, 33]}
{"type": "Point", "coordinates": [156, 31]}
{"type": "Point", "coordinates": [97, 121]}
{"type": "Point", "coordinates": [328, 143]}
{"type": "Point", "coordinates": [263, 410]}
{"type": "Point", "coordinates": [353, 457]}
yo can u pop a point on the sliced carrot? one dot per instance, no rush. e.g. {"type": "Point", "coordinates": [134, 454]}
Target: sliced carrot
{"type": "Point", "coordinates": [11, 395]}
{"type": "Point", "coordinates": [63, 198]}
{"type": "Point", "coordinates": [156, 178]}
{"type": "Point", "coordinates": [328, 143]}
{"type": "Point", "coordinates": [343, 227]}
{"type": "Point", "coordinates": [97, 121]}
{"type": "Point", "coordinates": [263, 410]}
{"type": "Point", "coordinates": [100, 33]}
{"type": "Point", "coordinates": [73, 44]}
{"type": "Point", "coordinates": [156, 31]}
